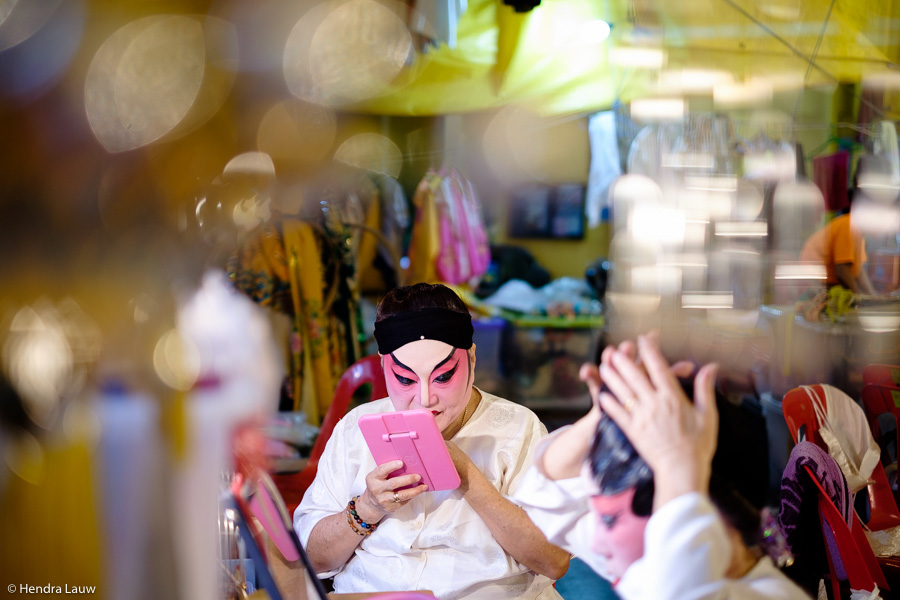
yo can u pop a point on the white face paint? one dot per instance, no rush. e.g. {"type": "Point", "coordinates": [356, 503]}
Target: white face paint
{"type": "Point", "coordinates": [430, 375]}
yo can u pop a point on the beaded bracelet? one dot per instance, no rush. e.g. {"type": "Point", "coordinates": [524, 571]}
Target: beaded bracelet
{"type": "Point", "coordinates": [353, 519]}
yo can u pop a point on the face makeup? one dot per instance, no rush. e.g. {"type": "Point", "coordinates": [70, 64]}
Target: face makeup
{"type": "Point", "coordinates": [619, 536]}
{"type": "Point", "coordinates": [430, 375]}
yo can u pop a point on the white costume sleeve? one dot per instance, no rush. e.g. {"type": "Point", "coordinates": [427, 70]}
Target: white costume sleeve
{"type": "Point", "coordinates": [518, 455]}
{"type": "Point", "coordinates": [560, 508]}
{"type": "Point", "coordinates": [686, 554]}
{"type": "Point", "coordinates": [329, 492]}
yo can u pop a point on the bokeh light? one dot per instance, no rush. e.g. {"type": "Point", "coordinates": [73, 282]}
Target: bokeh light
{"type": "Point", "coordinates": [874, 218]}
{"type": "Point", "coordinates": [656, 279]}
{"type": "Point", "coordinates": [881, 80]}
{"type": "Point", "coordinates": [879, 320]}
{"type": "Point", "coordinates": [345, 51]}
{"type": "Point", "coordinates": [706, 197]}
{"type": "Point", "coordinates": [629, 304]}
{"type": "Point", "coordinates": [797, 209]}
{"type": "Point", "coordinates": [47, 353]}
{"type": "Point", "coordinates": [19, 20]}
{"type": "Point", "coordinates": [251, 163]}
{"type": "Point", "coordinates": [629, 191]}
{"type": "Point", "coordinates": [38, 361]}
{"type": "Point", "coordinates": [372, 152]}
{"type": "Point", "coordinates": [592, 32]}
{"type": "Point", "coordinates": [649, 224]}
{"type": "Point", "coordinates": [800, 271]}
{"type": "Point", "coordinates": [38, 41]}
{"type": "Point", "coordinates": [707, 300]}
{"type": "Point", "coordinates": [785, 10]}
{"type": "Point", "coordinates": [521, 147]}
{"type": "Point", "coordinates": [154, 78]}
{"type": "Point", "coordinates": [176, 361]}
{"type": "Point", "coordinates": [251, 176]}
{"type": "Point", "coordinates": [25, 457]}
{"type": "Point", "coordinates": [752, 92]}
{"type": "Point", "coordinates": [637, 57]}
{"type": "Point", "coordinates": [741, 229]}
{"type": "Point", "coordinates": [297, 134]}
{"type": "Point", "coordinates": [657, 109]}
{"type": "Point", "coordinates": [694, 81]}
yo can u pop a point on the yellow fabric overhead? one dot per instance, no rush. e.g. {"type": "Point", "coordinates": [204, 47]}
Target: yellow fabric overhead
{"type": "Point", "coordinates": [536, 59]}
{"type": "Point", "coordinates": [541, 60]}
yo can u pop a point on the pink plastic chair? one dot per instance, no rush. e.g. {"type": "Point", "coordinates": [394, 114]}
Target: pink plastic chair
{"type": "Point", "coordinates": [365, 370]}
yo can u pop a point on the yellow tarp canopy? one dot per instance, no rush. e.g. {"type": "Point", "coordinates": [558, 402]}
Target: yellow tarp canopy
{"type": "Point", "coordinates": [544, 60]}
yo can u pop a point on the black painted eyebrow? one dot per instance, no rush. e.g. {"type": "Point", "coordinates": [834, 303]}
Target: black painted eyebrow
{"type": "Point", "coordinates": [441, 364]}
{"type": "Point", "coordinates": [436, 367]}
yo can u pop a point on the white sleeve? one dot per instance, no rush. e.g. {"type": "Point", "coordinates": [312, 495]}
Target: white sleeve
{"type": "Point", "coordinates": [520, 453]}
{"type": "Point", "coordinates": [560, 509]}
{"type": "Point", "coordinates": [329, 492]}
{"type": "Point", "coordinates": [686, 555]}
{"type": "Point", "coordinates": [688, 547]}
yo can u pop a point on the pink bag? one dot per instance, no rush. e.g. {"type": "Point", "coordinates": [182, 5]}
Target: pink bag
{"type": "Point", "coordinates": [464, 253]}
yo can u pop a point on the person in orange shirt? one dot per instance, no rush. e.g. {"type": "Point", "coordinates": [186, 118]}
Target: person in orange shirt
{"type": "Point", "coordinates": [842, 249]}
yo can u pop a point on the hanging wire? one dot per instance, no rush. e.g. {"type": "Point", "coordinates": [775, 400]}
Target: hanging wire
{"type": "Point", "coordinates": [812, 59]}
{"type": "Point", "coordinates": [812, 64]}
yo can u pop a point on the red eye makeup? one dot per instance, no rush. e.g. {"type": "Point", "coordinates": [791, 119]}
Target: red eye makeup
{"type": "Point", "coordinates": [431, 375]}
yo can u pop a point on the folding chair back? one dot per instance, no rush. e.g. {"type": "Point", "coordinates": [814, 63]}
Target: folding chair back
{"type": "Point", "coordinates": [802, 421]}
{"type": "Point", "coordinates": [855, 553]}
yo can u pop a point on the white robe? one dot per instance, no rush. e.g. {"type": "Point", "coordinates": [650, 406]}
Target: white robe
{"type": "Point", "coordinates": [686, 555]}
{"type": "Point", "coordinates": [686, 548]}
{"type": "Point", "coordinates": [437, 541]}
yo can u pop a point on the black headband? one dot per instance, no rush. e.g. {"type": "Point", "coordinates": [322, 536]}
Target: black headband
{"type": "Point", "coordinates": [444, 325]}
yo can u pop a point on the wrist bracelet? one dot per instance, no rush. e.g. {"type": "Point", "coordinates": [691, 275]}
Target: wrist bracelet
{"type": "Point", "coordinates": [353, 519]}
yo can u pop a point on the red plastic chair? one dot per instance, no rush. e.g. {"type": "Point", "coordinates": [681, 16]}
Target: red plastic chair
{"type": "Point", "coordinates": [365, 370]}
{"type": "Point", "coordinates": [860, 563]}
{"type": "Point", "coordinates": [856, 552]}
{"type": "Point", "coordinates": [800, 415]}
{"type": "Point", "coordinates": [881, 400]}
{"type": "Point", "coordinates": [885, 375]}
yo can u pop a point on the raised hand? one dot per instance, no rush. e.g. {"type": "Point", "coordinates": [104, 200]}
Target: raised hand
{"type": "Point", "coordinates": [676, 438]}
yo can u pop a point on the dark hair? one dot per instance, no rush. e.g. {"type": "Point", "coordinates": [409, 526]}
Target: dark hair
{"type": "Point", "coordinates": [419, 296]}
{"type": "Point", "coordinates": [617, 466]}
{"type": "Point", "coordinates": [736, 510]}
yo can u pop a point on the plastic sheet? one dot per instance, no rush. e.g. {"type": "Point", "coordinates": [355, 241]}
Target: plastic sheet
{"type": "Point", "coordinates": [885, 542]}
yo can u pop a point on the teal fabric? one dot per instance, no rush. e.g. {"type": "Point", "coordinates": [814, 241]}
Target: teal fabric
{"type": "Point", "coordinates": [581, 583]}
